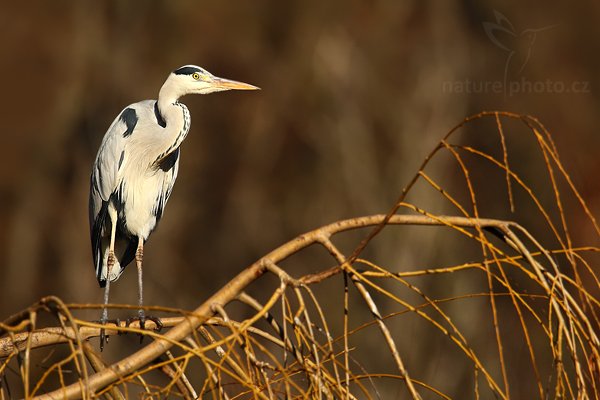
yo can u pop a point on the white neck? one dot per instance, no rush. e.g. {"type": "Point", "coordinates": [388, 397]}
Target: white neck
{"type": "Point", "coordinates": [176, 117]}
{"type": "Point", "coordinates": [167, 96]}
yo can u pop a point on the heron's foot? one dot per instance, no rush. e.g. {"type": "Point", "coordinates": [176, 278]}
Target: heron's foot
{"type": "Point", "coordinates": [142, 317]}
{"type": "Point", "coordinates": [103, 337]}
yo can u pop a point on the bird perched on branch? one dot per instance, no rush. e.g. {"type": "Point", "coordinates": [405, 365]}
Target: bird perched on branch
{"type": "Point", "coordinates": [134, 173]}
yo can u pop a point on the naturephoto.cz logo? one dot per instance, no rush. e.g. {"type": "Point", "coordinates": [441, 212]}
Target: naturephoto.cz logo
{"type": "Point", "coordinates": [514, 87]}
{"type": "Point", "coordinates": [518, 47]}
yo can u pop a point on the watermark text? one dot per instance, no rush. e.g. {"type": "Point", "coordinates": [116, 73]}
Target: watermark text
{"type": "Point", "coordinates": [512, 88]}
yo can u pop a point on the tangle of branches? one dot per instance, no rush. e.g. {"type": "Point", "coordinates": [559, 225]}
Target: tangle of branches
{"type": "Point", "coordinates": [516, 316]}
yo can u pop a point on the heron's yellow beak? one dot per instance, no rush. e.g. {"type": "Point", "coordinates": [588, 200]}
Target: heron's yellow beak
{"type": "Point", "coordinates": [228, 84]}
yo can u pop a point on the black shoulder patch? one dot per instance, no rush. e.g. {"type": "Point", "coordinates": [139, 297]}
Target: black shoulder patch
{"type": "Point", "coordinates": [187, 70]}
{"type": "Point", "coordinates": [159, 117]}
{"type": "Point", "coordinates": [167, 163]}
{"type": "Point", "coordinates": [129, 117]}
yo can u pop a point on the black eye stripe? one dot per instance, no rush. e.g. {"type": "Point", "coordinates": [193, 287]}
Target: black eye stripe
{"type": "Point", "coordinates": [187, 70]}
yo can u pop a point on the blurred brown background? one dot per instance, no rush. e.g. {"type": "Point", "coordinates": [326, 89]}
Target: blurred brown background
{"type": "Point", "coordinates": [354, 95]}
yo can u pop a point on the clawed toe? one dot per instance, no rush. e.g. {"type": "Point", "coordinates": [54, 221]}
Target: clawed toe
{"type": "Point", "coordinates": [103, 337]}
{"type": "Point", "coordinates": [142, 319]}
{"type": "Point", "coordinates": [157, 322]}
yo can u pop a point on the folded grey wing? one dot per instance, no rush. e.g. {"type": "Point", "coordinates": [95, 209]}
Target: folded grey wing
{"type": "Point", "coordinates": [104, 180]}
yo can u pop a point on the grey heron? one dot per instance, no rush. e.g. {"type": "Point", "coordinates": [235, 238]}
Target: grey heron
{"type": "Point", "coordinates": [134, 173]}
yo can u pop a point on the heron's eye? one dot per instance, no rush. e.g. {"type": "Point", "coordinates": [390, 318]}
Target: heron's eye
{"type": "Point", "coordinates": [196, 76]}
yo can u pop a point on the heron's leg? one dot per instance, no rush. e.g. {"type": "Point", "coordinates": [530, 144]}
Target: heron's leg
{"type": "Point", "coordinates": [110, 262]}
{"type": "Point", "coordinates": [142, 317]}
{"type": "Point", "coordinates": [139, 255]}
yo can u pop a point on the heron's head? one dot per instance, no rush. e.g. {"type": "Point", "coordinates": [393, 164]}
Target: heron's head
{"type": "Point", "coordinates": [191, 79]}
